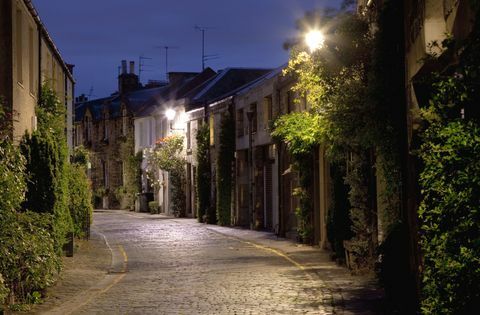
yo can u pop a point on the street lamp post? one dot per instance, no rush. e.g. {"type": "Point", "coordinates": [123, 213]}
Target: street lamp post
{"type": "Point", "coordinates": [251, 183]}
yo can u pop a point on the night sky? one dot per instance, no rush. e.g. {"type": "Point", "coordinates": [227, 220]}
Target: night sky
{"type": "Point", "coordinates": [96, 35]}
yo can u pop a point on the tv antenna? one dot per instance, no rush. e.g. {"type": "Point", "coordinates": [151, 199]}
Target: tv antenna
{"type": "Point", "coordinates": [142, 67]}
{"type": "Point", "coordinates": [90, 92]}
{"type": "Point", "coordinates": [166, 47]}
{"type": "Point", "coordinates": [205, 57]}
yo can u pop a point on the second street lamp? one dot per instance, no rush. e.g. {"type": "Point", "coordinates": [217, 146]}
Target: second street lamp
{"type": "Point", "coordinates": [314, 40]}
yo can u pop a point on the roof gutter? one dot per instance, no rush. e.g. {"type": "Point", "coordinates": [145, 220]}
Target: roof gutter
{"type": "Point", "coordinates": [47, 36]}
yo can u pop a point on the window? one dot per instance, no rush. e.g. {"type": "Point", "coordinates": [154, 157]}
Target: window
{"type": "Point", "coordinates": [212, 129]}
{"type": "Point", "coordinates": [19, 45]}
{"type": "Point", "coordinates": [290, 104]}
{"type": "Point", "coordinates": [124, 121]}
{"type": "Point", "coordinates": [105, 126]}
{"type": "Point", "coordinates": [105, 174]}
{"type": "Point", "coordinates": [31, 65]}
{"type": "Point", "coordinates": [88, 128]}
{"type": "Point", "coordinates": [267, 111]}
{"type": "Point", "coordinates": [122, 173]}
{"type": "Point", "coordinates": [142, 135]}
{"type": "Point", "coordinates": [240, 123]}
{"type": "Point", "coordinates": [49, 66]}
{"type": "Point", "coordinates": [253, 108]}
{"type": "Point", "coordinates": [189, 134]}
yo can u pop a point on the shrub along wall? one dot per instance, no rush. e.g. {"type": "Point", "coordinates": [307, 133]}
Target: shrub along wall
{"type": "Point", "coordinates": [80, 200]}
{"type": "Point", "coordinates": [28, 261]}
{"type": "Point", "coordinates": [450, 183]}
{"type": "Point", "coordinates": [36, 204]}
{"type": "Point", "coordinates": [203, 172]}
{"type": "Point", "coordinates": [224, 176]}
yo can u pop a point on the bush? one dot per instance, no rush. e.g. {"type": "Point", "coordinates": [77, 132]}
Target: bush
{"type": "Point", "coordinates": [47, 185]}
{"type": "Point", "coordinates": [154, 207]}
{"type": "Point", "coordinates": [3, 291]}
{"type": "Point", "coordinates": [450, 215]}
{"type": "Point", "coordinates": [28, 259]}
{"type": "Point", "coordinates": [12, 178]}
{"type": "Point", "coordinates": [167, 156]}
{"type": "Point", "coordinates": [80, 201]}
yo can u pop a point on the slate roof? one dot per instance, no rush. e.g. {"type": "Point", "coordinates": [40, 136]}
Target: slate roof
{"type": "Point", "coordinates": [133, 100]}
{"type": "Point", "coordinates": [249, 86]}
{"type": "Point", "coordinates": [95, 107]}
{"type": "Point", "coordinates": [225, 83]}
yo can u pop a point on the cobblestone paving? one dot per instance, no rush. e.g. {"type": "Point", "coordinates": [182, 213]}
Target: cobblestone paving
{"type": "Point", "coordinates": [176, 268]}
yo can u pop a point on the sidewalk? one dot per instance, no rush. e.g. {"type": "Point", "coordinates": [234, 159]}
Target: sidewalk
{"type": "Point", "coordinates": [348, 294]}
{"type": "Point", "coordinates": [88, 266]}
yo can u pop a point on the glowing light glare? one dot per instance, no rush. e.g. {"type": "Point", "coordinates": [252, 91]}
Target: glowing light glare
{"type": "Point", "coordinates": [170, 114]}
{"type": "Point", "coordinates": [314, 40]}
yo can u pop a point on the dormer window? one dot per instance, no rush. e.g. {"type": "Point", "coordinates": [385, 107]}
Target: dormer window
{"type": "Point", "coordinates": [105, 126]}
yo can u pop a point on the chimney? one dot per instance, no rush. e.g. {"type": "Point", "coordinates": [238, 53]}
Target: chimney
{"type": "Point", "coordinates": [124, 66]}
{"type": "Point", "coordinates": [132, 67]}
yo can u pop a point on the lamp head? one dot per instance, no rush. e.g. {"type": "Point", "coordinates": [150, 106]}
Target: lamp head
{"type": "Point", "coordinates": [170, 114]}
{"type": "Point", "coordinates": [314, 40]}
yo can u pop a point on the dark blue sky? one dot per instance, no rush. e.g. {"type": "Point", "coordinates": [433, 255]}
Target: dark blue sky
{"type": "Point", "coordinates": [96, 35]}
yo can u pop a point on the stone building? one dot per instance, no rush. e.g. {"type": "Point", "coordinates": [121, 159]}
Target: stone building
{"type": "Point", "coordinates": [105, 127]}
{"type": "Point", "coordinates": [29, 59]}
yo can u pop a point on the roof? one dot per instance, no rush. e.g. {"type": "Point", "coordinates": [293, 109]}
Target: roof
{"type": "Point", "coordinates": [48, 38]}
{"type": "Point", "coordinates": [135, 102]}
{"type": "Point", "coordinates": [249, 86]}
{"type": "Point", "coordinates": [223, 84]}
{"type": "Point", "coordinates": [175, 91]}
{"type": "Point", "coordinates": [95, 107]}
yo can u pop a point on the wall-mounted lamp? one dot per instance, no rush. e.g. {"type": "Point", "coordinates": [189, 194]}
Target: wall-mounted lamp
{"type": "Point", "coordinates": [170, 114]}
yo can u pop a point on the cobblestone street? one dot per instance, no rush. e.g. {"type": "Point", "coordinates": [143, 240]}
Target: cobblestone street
{"type": "Point", "coordinates": [162, 265]}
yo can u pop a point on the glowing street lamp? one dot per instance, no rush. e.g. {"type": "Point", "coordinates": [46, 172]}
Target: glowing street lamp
{"type": "Point", "coordinates": [170, 114]}
{"type": "Point", "coordinates": [314, 40]}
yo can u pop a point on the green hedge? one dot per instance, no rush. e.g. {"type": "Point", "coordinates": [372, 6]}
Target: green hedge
{"type": "Point", "coordinates": [80, 200]}
{"type": "Point", "coordinates": [28, 259]}
{"type": "Point", "coordinates": [47, 185]}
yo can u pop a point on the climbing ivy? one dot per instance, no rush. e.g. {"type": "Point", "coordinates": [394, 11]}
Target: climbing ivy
{"type": "Point", "coordinates": [225, 163]}
{"type": "Point", "coordinates": [203, 172]}
{"type": "Point", "coordinates": [449, 211]}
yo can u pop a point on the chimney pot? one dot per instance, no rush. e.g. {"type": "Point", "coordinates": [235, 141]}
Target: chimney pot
{"type": "Point", "coordinates": [132, 67]}
{"type": "Point", "coordinates": [124, 66]}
